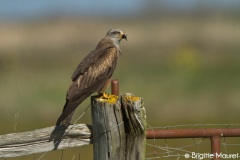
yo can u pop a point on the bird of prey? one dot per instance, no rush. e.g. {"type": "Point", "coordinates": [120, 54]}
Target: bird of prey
{"type": "Point", "coordinates": [93, 73]}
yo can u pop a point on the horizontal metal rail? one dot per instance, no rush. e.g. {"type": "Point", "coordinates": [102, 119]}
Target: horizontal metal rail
{"type": "Point", "coordinates": [193, 133]}
{"type": "Point", "coordinates": [214, 134]}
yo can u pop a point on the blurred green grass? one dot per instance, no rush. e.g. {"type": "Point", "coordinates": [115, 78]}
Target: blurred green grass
{"type": "Point", "coordinates": [187, 71]}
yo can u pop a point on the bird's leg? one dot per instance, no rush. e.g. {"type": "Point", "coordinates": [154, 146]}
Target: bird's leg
{"type": "Point", "coordinates": [104, 95]}
{"type": "Point", "coordinates": [108, 97]}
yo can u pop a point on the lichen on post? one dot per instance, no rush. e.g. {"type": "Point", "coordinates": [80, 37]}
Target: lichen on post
{"type": "Point", "coordinates": [118, 128]}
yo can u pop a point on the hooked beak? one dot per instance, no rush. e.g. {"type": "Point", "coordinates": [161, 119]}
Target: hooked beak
{"type": "Point", "coordinates": [124, 36]}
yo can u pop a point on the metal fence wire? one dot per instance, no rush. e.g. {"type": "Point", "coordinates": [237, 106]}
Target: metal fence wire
{"type": "Point", "coordinates": [193, 141]}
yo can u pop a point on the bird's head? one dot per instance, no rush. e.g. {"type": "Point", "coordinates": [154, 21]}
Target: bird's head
{"type": "Point", "coordinates": [116, 34]}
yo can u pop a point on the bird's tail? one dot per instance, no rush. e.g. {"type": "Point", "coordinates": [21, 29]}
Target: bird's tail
{"type": "Point", "coordinates": [69, 109]}
{"type": "Point", "coordinates": [67, 113]}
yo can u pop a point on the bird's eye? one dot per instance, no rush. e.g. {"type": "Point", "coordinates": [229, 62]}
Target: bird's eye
{"type": "Point", "coordinates": [116, 32]}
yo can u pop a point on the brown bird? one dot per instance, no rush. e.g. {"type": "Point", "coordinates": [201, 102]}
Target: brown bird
{"type": "Point", "coordinates": [93, 73]}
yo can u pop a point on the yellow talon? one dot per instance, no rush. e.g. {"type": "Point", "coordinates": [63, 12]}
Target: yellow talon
{"type": "Point", "coordinates": [104, 95]}
{"type": "Point", "coordinates": [108, 98]}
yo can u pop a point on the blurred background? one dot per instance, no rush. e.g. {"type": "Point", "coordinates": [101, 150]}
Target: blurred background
{"type": "Point", "coordinates": [182, 57]}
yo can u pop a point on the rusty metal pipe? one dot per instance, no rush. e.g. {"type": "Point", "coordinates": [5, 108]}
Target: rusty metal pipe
{"type": "Point", "coordinates": [192, 133]}
{"type": "Point", "coordinates": [115, 87]}
{"type": "Point", "coordinates": [216, 146]}
{"type": "Point", "coordinates": [214, 134]}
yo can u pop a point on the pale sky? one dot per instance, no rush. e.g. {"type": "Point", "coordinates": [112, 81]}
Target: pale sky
{"type": "Point", "coordinates": [30, 8]}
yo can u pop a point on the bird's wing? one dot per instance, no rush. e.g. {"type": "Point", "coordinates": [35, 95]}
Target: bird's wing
{"type": "Point", "coordinates": [92, 57]}
{"type": "Point", "coordinates": [87, 62]}
{"type": "Point", "coordinates": [93, 72]}
{"type": "Point", "coordinates": [91, 79]}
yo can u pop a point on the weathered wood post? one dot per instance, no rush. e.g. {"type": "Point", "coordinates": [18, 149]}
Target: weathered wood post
{"type": "Point", "coordinates": [118, 127]}
{"type": "Point", "coordinates": [44, 140]}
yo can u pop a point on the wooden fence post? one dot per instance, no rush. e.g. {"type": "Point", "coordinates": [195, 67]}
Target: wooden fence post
{"type": "Point", "coordinates": [118, 128]}
{"type": "Point", "coordinates": [134, 117]}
